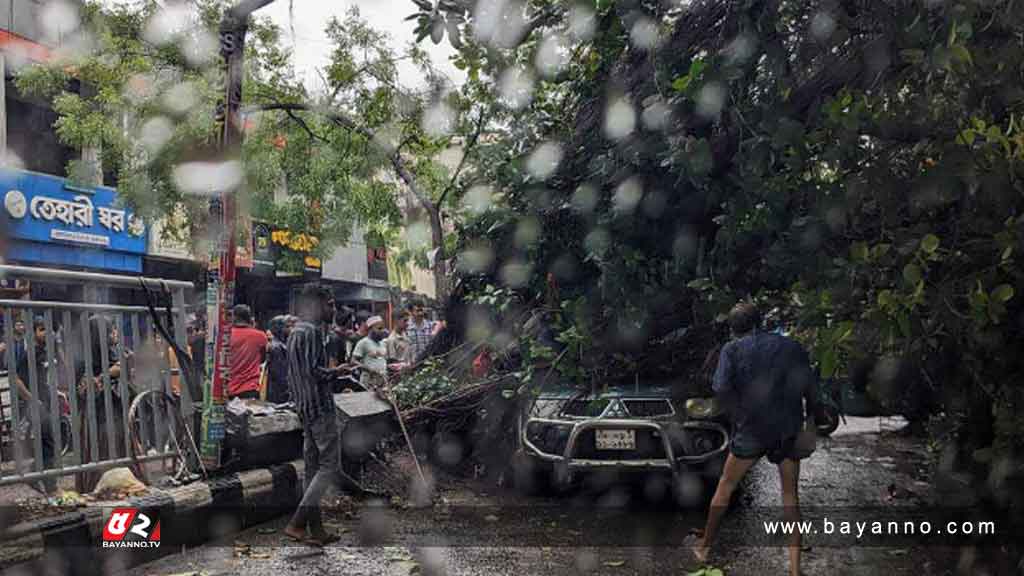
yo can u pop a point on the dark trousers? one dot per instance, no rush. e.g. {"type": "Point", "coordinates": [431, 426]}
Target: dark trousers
{"type": "Point", "coordinates": [322, 457]}
{"type": "Point", "coordinates": [49, 445]}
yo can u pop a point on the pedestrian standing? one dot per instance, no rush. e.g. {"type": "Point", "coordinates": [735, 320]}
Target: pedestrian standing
{"type": "Point", "coordinates": [309, 381]}
{"type": "Point", "coordinates": [398, 344]}
{"type": "Point", "coordinates": [372, 355]}
{"type": "Point", "coordinates": [277, 361]}
{"type": "Point", "coordinates": [764, 379]}
{"type": "Point", "coordinates": [41, 402]}
{"type": "Point", "coordinates": [421, 331]}
{"type": "Point", "coordinates": [248, 352]}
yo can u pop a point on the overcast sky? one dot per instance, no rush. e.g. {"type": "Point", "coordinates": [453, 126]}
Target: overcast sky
{"type": "Point", "coordinates": [311, 48]}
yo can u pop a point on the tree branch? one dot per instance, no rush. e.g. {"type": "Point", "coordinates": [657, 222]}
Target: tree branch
{"type": "Point", "coordinates": [465, 155]}
{"type": "Point", "coordinates": [301, 122]}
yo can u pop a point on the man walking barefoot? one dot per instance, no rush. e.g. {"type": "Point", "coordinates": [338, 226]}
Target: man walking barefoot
{"type": "Point", "coordinates": [764, 379]}
{"type": "Point", "coordinates": [310, 387]}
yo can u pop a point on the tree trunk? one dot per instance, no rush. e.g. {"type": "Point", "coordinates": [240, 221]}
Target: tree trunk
{"type": "Point", "coordinates": [440, 256]}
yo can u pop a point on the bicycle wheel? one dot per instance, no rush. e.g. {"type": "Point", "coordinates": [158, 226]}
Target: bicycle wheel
{"type": "Point", "coordinates": [156, 427]}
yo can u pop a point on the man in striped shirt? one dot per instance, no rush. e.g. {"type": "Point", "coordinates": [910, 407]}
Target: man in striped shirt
{"type": "Point", "coordinates": [309, 381]}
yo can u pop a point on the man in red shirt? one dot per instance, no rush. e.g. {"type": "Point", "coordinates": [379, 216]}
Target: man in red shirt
{"type": "Point", "coordinates": [248, 351]}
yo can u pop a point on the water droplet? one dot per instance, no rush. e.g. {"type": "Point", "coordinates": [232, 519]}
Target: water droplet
{"type": "Point", "coordinates": [167, 24]}
{"type": "Point", "coordinates": [619, 119]}
{"type": "Point", "coordinates": [500, 23]}
{"type": "Point", "coordinates": [597, 241]}
{"type": "Point", "coordinates": [200, 47]}
{"type": "Point", "coordinates": [544, 160]}
{"type": "Point", "coordinates": [207, 178]}
{"type": "Point", "coordinates": [644, 34]}
{"type": "Point", "coordinates": [180, 98]}
{"type": "Point", "coordinates": [476, 260]}
{"type": "Point", "coordinates": [582, 21]}
{"type": "Point", "coordinates": [527, 232]}
{"type": "Point", "coordinates": [516, 274]}
{"type": "Point", "coordinates": [516, 86]}
{"type": "Point", "coordinates": [628, 195]}
{"type": "Point", "coordinates": [139, 88]}
{"type": "Point", "coordinates": [479, 199]}
{"type": "Point", "coordinates": [58, 20]}
{"type": "Point", "coordinates": [438, 120]}
{"type": "Point", "coordinates": [155, 133]}
{"type": "Point", "coordinates": [740, 49]}
{"type": "Point", "coordinates": [553, 55]}
{"type": "Point", "coordinates": [585, 199]}
{"type": "Point", "coordinates": [822, 26]}
{"type": "Point", "coordinates": [711, 100]}
{"type": "Point", "coordinates": [656, 115]}
{"type": "Point", "coordinates": [417, 235]}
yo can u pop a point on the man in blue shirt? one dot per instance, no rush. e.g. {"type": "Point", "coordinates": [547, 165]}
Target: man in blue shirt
{"type": "Point", "coordinates": [764, 379]}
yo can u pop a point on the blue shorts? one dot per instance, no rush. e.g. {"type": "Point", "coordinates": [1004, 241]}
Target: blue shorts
{"type": "Point", "coordinates": [748, 448]}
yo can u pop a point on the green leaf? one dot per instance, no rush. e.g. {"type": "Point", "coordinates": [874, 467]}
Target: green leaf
{"type": "Point", "coordinates": [879, 251]}
{"type": "Point", "coordinates": [681, 83]}
{"type": "Point", "coordinates": [961, 53]}
{"type": "Point", "coordinates": [903, 319]}
{"type": "Point", "coordinates": [859, 251]}
{"type": "Point", "coordinates": [885, 298]}
{"type": "Point", "coordinates": [912, 274]}
{"type": "Point", "coordinates": [713, 572]}
{"type": "Point", "coordinates": [1002, 293]}
{"type": "Point", "coordinates": [930, 243]}
{"type": "Point", "coordinates": [1006, 254]}
{"type": "Point", "coordinates": [829, 362]}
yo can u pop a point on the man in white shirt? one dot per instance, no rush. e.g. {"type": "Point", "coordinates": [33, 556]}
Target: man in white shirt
{"type": "Point", "coordinates": [371, 353]}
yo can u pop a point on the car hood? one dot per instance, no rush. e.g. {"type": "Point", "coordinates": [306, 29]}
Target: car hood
{"type": "Point", "coordinates": [561, 392]}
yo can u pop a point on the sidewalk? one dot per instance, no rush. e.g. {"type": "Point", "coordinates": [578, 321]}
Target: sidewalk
{"type": "Point", "coordinates": [69, 541]}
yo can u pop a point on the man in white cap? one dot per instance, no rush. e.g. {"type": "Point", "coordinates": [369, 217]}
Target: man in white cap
{"type": "Point", "coordinates": [371, 353]}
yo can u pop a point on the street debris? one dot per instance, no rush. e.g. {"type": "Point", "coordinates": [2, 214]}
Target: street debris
{"type": "Point", "coordinates": [118, 484]}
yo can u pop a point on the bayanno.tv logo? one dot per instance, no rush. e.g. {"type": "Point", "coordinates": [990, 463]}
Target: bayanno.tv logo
{"type": "Point", "coordinates": [130, 528]}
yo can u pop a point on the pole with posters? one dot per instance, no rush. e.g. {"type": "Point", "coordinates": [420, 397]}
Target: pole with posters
{"type": "Point", "coordinates": [220, 286]}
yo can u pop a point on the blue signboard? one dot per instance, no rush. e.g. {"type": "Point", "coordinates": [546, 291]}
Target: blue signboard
{"type": "Point", "coordinates": [53, 222]}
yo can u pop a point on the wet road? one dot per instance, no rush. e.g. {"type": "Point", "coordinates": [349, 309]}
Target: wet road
{"type": "Point", "coordinates": [592, 532]}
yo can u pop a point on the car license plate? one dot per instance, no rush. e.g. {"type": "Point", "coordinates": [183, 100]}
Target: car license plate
{"type": "Point", "coordinates": [616, 439]}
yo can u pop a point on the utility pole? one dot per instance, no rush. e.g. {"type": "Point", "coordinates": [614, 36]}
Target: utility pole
{"type": "Point", "coordinates": [220, 284]}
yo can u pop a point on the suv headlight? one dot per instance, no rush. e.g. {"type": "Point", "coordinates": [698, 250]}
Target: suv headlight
{"type": "Point", "coordinates": [548, 437]}
{"type": "Point", "coordinates": [703, 408]}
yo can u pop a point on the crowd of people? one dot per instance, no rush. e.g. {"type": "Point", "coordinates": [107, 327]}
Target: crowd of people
{"type": "Point", "coordinates": [351, 344]}
{"type": "Point", "coordinates": [356, 344]}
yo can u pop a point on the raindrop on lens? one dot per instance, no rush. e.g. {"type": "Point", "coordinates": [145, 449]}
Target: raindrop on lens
{"type": "Point", "coordinates": [628, 195]}
{"type": "Point", "coordinates": [168, 23]}
{"type": "Point", "coordinates": [619, 119]}
{"type": "Point", "coordinates": [516, 87]}
{"type": "Point", "coordinates": [655, 116]}
{"type": "Point", "coordinates": [516, 274]}
{"type": "Point", "coordinates": [155, 133]}
{"type": "Point", "coordinates": [644, 33]}
{"type": "Point", "coordinates": [180, 98]}
{"type": "Point", "coordinates": [479, 199]}
{"type": "Point", "coordinates": [59, 19]}
{"type": "Point", "coordinates": [581, 21]}
{"type": "Point", "coordinates": [822, 26]}
{"type": "Point", "coordinates": [544, 160]}
{"type": "Point", "coordinates": [711, 100]}
{"type": "Point", "coordinates": [552, 56]}
{"type": "Point", "coordinates": [207, 178]}
{"type": "Point", "coordinates": [584, 199]}
{"type": "Point", "coordinates": [438, 120]}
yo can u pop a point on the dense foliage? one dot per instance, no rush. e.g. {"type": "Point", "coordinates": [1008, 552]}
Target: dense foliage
{"type": "Point", "coordinates": [855, 164]}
